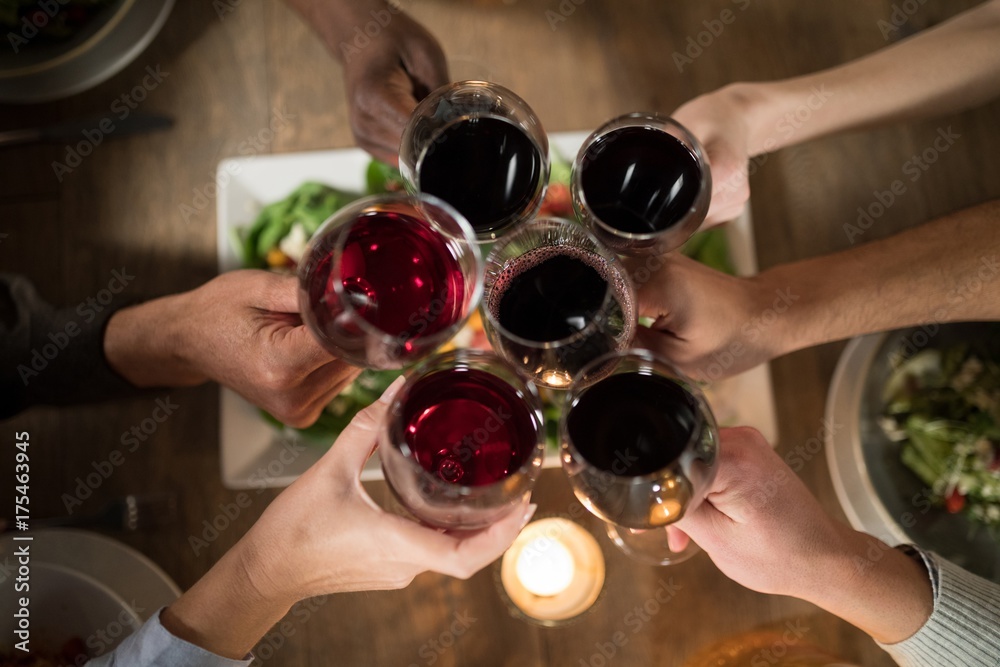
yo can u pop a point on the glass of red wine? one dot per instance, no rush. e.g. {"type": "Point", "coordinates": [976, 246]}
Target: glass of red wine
{"type": "Point", "coordinates": [481, 148]}
{"type": "Point", "coordinates": [554, 300]}
{"type": "Point", "coordinates": [640, 446]}
{"type": "Point", "coordinates": [388, 279]}
{"type": "Point", "coordinates": [642, 184]}
{"type": "Point", "coordinates": [463, 441]}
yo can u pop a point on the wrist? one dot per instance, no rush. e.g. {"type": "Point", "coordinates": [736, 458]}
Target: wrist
{"type": "Point", "coordinates": [873, 586]}
{"type": "Point", "coordinates": [144, 344]}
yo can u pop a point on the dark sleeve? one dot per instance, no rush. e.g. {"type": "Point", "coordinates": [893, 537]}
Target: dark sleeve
{"type": "Point", "coordinates": [50, 356]}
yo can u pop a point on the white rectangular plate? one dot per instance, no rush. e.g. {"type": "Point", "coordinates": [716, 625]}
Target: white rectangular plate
{"type": "Point", "coordinates": [254, 454]}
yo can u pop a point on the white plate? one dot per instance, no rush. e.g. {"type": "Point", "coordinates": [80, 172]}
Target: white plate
{"type": "Point", "coordinates": [65, 605]}
{"type": "Point", "coordinates": [254, 454]}
{"type": "Point", "coordinates": [83, 583]}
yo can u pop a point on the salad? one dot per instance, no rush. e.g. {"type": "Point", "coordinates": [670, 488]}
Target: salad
{"type": "Point", "coordinates": [943, 406]}
{"type": "Point", "coordinates": [278, 237]}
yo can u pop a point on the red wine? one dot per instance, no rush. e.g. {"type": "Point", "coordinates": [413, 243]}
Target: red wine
{"type": "Point", "coordinates": [397, 273]}
{"type": "Point", "coordinates": [487, 168]}
{"type": "Point", "coordinates": [633, 424]}
{"type": "Point", "coordinates": [468, 426]}
{"type": "Point", "coordinates": [640, 180]}
{"type": "Point", "coordinates": [552, 292]}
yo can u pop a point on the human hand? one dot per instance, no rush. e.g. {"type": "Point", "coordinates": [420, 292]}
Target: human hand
{"type": "Point", "coordinates": [324, 534]}
{"type": "Point", "coordinates": [387, 77]}
{"type": "Point", "coordinates": [720, 122]}
{"type": "Point", "coordinates": [707, 323]}
{"type": "Point", "coordinates": [242, 330]}
{"type": "Point", "coordinates": [763, 529]}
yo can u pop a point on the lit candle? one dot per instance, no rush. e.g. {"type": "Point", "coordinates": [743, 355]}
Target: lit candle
{"type": "Point", "coordinates": [545, 567]}
{"type": "Point", "coordinates": [553, 571]}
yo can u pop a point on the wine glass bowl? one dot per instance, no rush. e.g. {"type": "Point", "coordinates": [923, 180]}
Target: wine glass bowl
{"type": "Point", "coordinates": [388, 279]}
{"type": "Point", "coordinates": [481, 148]}
{"type": "Point", "coordinates": [639, 447]}
{"type": "Point", "coordinates": [554, 300]}
{"type": "Point", "coordinates": [463, 441]}
{"type": "Point", "coordinates": [642, 184]}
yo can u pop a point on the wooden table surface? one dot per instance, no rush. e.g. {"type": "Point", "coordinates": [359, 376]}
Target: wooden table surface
{"type": "Point", "coordinates": [225, 77]}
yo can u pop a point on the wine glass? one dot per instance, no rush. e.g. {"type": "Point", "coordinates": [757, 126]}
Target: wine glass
{"type": "Point", "coordinates": [388, 279]}
{"type": "Point", "coordinates": [642, 184]}
{"type": "Point", "coordinates": [554, 300]}
{"type": "Point", "coordinates": [463, 441]}
{"type": "Point", "coordinates": [639, 446]}
{"type": "Point", "coordinates": [481, 148]}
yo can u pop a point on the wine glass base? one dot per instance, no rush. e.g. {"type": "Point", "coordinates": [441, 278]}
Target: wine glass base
{"type": "Point", "coordinates": [650, 546]}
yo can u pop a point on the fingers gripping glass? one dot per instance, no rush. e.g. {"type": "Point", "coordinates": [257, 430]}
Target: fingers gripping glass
{"type": "Point", "coordinates": [639, 446]}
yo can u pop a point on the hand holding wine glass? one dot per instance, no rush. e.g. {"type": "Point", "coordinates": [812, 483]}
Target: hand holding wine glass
{"type": "Point", "coordinates": [243, 330]}
{"type": "Point", "coordinates": [763, 528]}
{"type": "Point", "coordinates": [708, 323]}
{"type": "Point", "coordinates": [640, 446]}
{"type": "Point", "coordinates": [324, 535]}
{"type": "Point", "coordinates": [390, 62]}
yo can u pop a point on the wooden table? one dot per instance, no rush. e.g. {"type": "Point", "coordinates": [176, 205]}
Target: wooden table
{"type": "Point", "coordinates": [224, 79]}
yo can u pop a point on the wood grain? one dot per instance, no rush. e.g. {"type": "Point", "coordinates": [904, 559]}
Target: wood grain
{"type": "Point", "coordinates": [144, 203]}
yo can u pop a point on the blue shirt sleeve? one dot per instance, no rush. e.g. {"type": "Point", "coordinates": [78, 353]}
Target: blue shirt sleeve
{"type": "Point", "coordinates": [154, 646]}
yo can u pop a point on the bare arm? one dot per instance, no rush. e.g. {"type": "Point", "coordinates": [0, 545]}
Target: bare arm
{"type": "Point", "coordinates": [712, 324]}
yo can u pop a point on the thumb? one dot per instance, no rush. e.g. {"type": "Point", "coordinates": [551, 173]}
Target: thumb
{"type": "Point", "coordinates": [355, 444]}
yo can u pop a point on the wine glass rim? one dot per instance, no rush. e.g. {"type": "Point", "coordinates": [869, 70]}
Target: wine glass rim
{"type": "Point", "coordinates": [650, 121]}
{"type": "Point", "coordinates": [416, 200]}
{"type": "Point", "coordinates": [539, 143]}
{"type": "Point", "coordinates": [578, 389]}
{"type": "Point", "coordinates": [614, 264]}
{"type": "Point", "coordinates": [526, 389]}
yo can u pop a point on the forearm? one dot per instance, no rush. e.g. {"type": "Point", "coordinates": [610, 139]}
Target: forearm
{"type": "Point", "coordinates": [944, 271]}
{"type": "Point", "coordinates": [874, 587]}
{"type": "Point", "coordinates": [225, 611]}
{"type": "Point", "coordinates": [143, 344]}
{"type": "Point", "coordinates": [335, 20]}
{"type": "Point", "coordinates": [945, 69]}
